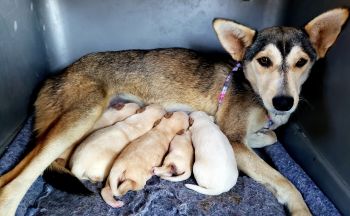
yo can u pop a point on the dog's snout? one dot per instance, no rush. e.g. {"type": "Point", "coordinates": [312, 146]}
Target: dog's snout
{"type": "Point", "coordinates": [283, 103]}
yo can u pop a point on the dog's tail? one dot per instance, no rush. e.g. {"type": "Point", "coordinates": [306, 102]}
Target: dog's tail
{"type": "Point", "coordinates": [62, 179]}
{"type": "Point", "coordinates": [203, 190]}
{"type": "Point", "coordinates": [178, 178]}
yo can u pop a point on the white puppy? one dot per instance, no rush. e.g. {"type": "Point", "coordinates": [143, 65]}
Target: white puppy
{"type": "Point", "coordinates": [95, 155]}
{"type": "Point", "coordinates": [177, 165]}
{"type": "Point", "coordinates": [215, 168]}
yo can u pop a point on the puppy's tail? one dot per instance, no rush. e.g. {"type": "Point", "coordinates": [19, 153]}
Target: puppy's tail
{"type": "Point", "coordinates": [62, 179]}
{"type": "Point", "coordinates": [203, 190]}
{"type": "Point", "coordinates": [181, 177]}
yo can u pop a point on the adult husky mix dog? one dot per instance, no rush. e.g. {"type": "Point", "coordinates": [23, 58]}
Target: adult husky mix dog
{"type": "Point", "coordinates": [276, 62]}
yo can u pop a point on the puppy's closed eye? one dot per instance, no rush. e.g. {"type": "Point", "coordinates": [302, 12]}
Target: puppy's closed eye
{"type": "Point", "coordinates": [181, 132]}
{"type": "Point", "coordinates": [168, 115]}
{"type": "Point", "coordinates": [156, 123]}
{"type": "Point", "coordinates": [140, 110]}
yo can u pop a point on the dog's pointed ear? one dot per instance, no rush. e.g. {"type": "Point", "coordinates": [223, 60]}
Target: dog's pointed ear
{"type": "Point", "coordinates": [234, 37]}
{"type": "Point", "coordinates": [325, 28]}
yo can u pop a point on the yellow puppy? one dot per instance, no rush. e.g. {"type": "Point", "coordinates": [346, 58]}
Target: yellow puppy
{"type": "Point", "coordinates": [133, 167]}
{"type": "Point", "coordinates": [95, 155]}
{"type": "Point", "coordinates": [177, 165]}
{"type": "Point", "coordinates": [115, 113]}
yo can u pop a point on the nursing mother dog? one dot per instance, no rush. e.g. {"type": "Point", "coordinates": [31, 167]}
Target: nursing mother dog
{"type": "Point", "coordinates": [276, 61]}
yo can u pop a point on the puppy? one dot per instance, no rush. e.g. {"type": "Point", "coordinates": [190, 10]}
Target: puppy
{"type": "Point", "coordinates": [177, 165]}
{"type": "Point", "coordinates": [115, 113]}
{"type": "Point", "coordinates": [95, 155]}
{"type": "Point", "coordinates": [133, 167]}
{"type": "Point", "coordinates": [215, 167]}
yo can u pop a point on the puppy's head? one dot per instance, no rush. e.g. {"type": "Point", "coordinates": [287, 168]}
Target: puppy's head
{"type": "Point", "coordinates": [200, 115]}
{"type": "Point", "coordinates": [277, 60]}
{"type": "Point", "coordinates": [178, 120]}
{"type": "Point", "coordinates": [152, 111]}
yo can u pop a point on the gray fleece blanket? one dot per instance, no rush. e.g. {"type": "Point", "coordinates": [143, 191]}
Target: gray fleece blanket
{"type": "Point", "coordinates": [161, 197]}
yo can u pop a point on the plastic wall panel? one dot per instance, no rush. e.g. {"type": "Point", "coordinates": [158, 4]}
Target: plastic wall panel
{"type": "Point", "coordinates": [22, 64]}
{"type": "Point", "coordinates": [74, 28]}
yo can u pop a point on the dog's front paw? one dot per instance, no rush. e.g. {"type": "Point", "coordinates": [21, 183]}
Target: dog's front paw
{"type": "Point", "coordinates": [261, 139]}
{"type": "Point", "coordinates": [296, 204]}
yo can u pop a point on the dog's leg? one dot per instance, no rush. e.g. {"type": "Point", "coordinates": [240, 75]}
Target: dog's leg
{"type": "Point", "coordinates": [6, 178]}
{"type": "Point", "coordinates": [71, 126]}
{"type": "Point", "coordinates": [259, 170]}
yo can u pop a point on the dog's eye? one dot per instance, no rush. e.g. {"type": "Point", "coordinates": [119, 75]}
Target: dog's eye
{"type": "Point", "coordinates": [264, 61]}
{"type": "Point", "coordinates": [300, 63]}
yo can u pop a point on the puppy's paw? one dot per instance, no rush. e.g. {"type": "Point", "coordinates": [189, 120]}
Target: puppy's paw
{"type": "Point", "coordinates": [107, 196]}
{"type": "Point", "coordinates": [155, 170]}
{"type": "Point", "coordinates": [117, 204]}
{"type": "Point", "coordinates": [95, 179]}
{"type": "Point", "coordinates": [164, 171]}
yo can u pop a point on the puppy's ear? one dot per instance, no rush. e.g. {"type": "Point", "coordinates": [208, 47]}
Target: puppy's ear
{"type": "Point", "coordinates": [118, 106]}
{"type": "Point", "coordinates": [180, 132]}
{"type": "Point", "coordinates": [234, 37]}
{"type": "Point", "coordinates": [140, 110]}
{"type": "Point", "coordinates": [168, 115]}
{"type": "Point", "coordinates": [325, 28]}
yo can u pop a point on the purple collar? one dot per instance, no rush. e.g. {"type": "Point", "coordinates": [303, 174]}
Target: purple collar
{"type": "Point", "coordinates": [227, 83]}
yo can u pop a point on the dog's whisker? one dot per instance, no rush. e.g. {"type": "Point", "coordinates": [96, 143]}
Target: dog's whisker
{"type": "Point", "coordinates": [305, 101]}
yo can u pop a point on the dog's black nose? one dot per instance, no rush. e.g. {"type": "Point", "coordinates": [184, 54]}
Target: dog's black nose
{"type": "Point", "coordinates": [283, 103]}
